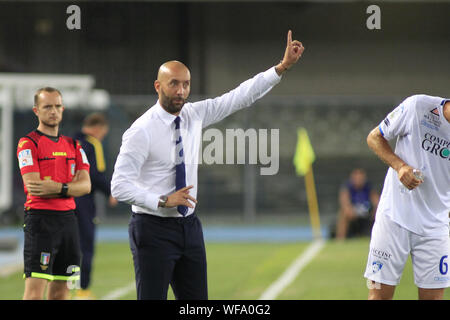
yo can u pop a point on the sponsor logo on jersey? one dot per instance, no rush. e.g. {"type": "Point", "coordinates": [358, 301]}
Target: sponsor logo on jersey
{"type": "Point", "coordinates": [21, 143]}
{"type": "Point", "coordinates": [436, 145]}
{"type": "Point", "coordinates": [431, 119]}
{"type": "Point", "coordinates": [59, 154]}
{"type": "Point", "coordinates": [435, 111]}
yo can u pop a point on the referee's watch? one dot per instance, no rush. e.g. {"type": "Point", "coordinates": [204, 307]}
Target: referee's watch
{"type": "Point", "coordinates": [64, 190]}
{"type": "Point", "coordinates": [162, 201]}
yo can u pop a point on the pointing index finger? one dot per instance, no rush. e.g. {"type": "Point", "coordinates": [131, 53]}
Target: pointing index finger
{"type": "Point", "coordinates": [289, 37]}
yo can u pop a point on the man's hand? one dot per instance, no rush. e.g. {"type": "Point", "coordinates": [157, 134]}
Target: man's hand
{"type": "Point", "coordinates": [407, 177]}
{"type": "Point", "coordinates": [294, 50]}
{"type": "Point", "coordinates": [180, 198]}
{"type": "Point", "coordinates": [383, 150]}
{"type": "Point", "coordinates": [112, 201]}
{"type": "Point", "coordinates": [42, 188]}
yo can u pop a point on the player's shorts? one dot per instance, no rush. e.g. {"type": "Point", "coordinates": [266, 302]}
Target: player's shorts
{"type": "Point", "coordinates": [51, 247]}
{"type": "Point", "coordinates": [390, 247]}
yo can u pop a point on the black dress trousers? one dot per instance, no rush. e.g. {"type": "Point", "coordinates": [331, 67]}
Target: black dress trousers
{"type": "Point", "coordinates": [168, 251]}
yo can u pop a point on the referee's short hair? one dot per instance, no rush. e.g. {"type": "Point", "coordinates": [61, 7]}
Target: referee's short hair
{"type": "Point", "coordinates": [95, 119]}
{"type": "Point", "coordinates": [44, 89]}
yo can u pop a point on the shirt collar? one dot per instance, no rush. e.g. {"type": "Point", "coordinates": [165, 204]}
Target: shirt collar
{"type": "Point", "coordinates": [166, 117]}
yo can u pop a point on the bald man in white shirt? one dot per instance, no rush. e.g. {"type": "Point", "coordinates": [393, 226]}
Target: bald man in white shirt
{"type": "Point", "coordinates": [156, 172]}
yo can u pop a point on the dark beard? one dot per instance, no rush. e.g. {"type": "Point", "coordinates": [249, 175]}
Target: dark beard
{"type": "Point", "coordinates": [50, 125]}
{"type": "Point", "coordinates": [168, 105]}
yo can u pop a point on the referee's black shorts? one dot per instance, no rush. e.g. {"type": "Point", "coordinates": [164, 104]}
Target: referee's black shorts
{"type": "Point", "coordinates": [51, 247]}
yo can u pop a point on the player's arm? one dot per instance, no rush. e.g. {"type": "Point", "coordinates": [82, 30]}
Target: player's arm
{"type": "Point", "coordinates": [80, 185]}
{"type": "Point", "coordinates": [383, 150]}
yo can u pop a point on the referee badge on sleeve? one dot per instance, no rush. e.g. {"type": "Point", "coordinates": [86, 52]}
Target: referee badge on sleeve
{"type": "Point", "coordinates": [83, 156]}
{"type": "Point", "coordinates": [45, 259]}
{"type": "Point", "coordinates": [25, 158]}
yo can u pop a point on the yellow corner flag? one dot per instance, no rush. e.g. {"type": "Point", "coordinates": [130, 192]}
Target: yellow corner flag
{"type": "Point", "coordinates": [303, 160]}
{"type": "Point", "coordinates": [304, 154]}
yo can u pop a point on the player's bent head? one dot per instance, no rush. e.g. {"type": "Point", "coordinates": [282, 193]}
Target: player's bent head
{"type": "Point", "coordinates": [96, 125]}
{"type": "Point", "coordinates": [95, 119]}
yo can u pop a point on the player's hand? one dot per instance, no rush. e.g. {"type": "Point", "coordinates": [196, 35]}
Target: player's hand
{"type": "Point", "coordinates": [292, 54]}
{"type": "Point", "coordinates": [43, 188]}
{"type": "Point", "coordinates": [181, 198]}
{"type": "Point", "coordinates": [407, 177]}
{"type": "Point", "coordinates": [112, 201]}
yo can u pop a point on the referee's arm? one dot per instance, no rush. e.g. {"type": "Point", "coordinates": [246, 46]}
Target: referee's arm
{"type": "Point", "coordinates": [80, 185]}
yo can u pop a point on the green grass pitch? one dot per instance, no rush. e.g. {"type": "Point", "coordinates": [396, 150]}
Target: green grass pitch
{"type": "Point", "coordinates": [242, 271]}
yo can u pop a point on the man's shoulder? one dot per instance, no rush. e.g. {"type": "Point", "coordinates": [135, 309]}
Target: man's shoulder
{"type": "Point", "coordinates": [73, 143]}
{"type": "Point", "coordinates": [29, 140]}
{"type": "Point", "coordinates": [83, 140]}
{"type": "Point", "coordinates": [146, 118]}
{"type": "Point", "coordinates": [79, 136]}
{"type": "Point", "coordinates": [423, 101]}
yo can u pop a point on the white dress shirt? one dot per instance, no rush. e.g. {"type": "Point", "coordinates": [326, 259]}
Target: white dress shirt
{"type": "Point", "coordinates": [145, 166]}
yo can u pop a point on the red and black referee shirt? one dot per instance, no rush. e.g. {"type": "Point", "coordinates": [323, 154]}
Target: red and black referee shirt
{"type": "Point", "coordinates": [56, 159]}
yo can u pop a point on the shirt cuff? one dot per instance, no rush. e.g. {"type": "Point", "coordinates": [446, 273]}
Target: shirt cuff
{"type": "Point", "coordinates": [151, 201]}
{"type": "Point", "coordinates": [272, 76]}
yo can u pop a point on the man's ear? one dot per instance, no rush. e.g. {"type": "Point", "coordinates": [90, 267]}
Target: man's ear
{"type": "Point", "coordinates": [157, 85]}
{"type": "Point", "coordinates": [35, 110]}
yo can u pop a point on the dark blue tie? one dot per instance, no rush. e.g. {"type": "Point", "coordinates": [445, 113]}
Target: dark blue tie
{"type": "Point", "coordinates": [180, 169]}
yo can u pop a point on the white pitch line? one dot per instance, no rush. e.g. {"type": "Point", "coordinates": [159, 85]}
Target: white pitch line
{"type": "Point", "coordinates": [116, 294]}
{"type": "Point", "coordinates": [293, 271]}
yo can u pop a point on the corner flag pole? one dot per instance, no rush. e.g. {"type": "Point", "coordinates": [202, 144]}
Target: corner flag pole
{"type": "Point", "coordinates": [303, 160]}
{"type": "Point", "coordinates": [312, 203]}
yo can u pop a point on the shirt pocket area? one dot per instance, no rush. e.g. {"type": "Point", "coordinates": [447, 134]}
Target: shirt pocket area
{"type": "Point", "coordinates": [47, 168]}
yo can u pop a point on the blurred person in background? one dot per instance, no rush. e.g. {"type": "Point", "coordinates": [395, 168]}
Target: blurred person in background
{"type": "Point", "coordinates": [54, 169]}
{"type": "Point", "coordinates": [413, 214]}
{"type": "Point", "coordinates": [95, 128]}
{"type": "Point", "coordinates": [357, 206]}
{"type": "Point", "coordinates": [156, 172]}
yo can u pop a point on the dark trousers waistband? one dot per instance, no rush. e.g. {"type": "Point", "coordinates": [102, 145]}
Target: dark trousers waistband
{"type": "Point", "coordinates": [165, 219]}
{"type": "Point", "coordinates": [49, 212]}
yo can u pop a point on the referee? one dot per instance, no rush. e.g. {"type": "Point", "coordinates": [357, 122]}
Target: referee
{"type": "Point", "coordinates": [156, 172]}
{"type": "Point", "coordinates": [54, 169]}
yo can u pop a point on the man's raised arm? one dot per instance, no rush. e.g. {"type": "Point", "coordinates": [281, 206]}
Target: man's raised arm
{"type": "Point", "coordinates": [214, 110]}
